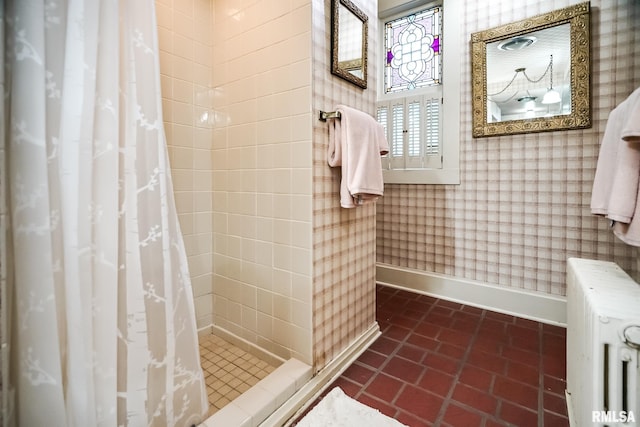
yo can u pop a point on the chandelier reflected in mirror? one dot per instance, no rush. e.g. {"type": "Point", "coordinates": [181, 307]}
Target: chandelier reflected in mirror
{"type": "Point", "coordinates": [521, 85]}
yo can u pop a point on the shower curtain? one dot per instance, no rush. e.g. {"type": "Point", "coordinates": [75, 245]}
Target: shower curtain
{"type": "Point", "coordinates": [98, 297]}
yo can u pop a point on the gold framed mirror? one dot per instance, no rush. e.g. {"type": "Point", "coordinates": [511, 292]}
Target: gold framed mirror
{"type": "Point", "coordinates": [349, 29]}
{"type": "Point", "coordinates": [532, 75]}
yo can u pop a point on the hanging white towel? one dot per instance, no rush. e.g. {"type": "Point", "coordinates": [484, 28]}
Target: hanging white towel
{"type": "Point", "coordinates": [617, 180]}
{"type": "Point", "coordinates": [356, 142]}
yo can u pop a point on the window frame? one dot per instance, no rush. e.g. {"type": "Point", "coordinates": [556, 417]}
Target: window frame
{"type": "Point", "coordinates": [449, 173]}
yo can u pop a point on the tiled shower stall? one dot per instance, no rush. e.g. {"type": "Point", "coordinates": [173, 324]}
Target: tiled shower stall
{"type": "Point", "coordinates": [277, 266]}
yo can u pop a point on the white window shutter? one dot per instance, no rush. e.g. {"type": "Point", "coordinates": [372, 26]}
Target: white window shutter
{"type": "Point", "coordinates": [433, 132]}
{"type": "Point", "coordinates": [382, 116]}
{"type": "Point", "coordinates": [414, 126]}
{"type": "Point", "coordinates": [396, 143]}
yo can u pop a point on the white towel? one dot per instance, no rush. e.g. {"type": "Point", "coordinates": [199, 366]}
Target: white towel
{"type": "Point", "coordinates": [356, 142]}
{"type": "Point", "coordinates": [615, 185]}
{"type": "Point", "coordinates": [617, 180]}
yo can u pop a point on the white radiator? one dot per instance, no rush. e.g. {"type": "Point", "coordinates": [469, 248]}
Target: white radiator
{"type": "Point", "coordinates": [603, 342]}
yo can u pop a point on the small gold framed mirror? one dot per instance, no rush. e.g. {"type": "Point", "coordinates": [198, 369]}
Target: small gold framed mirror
{"type": "Point", "coordinates": [349, 29]}
{"type": "Point", "coordinates": [532, 75]}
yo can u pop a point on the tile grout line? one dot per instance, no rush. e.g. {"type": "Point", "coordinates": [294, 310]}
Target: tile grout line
{"type": "Point", "coordinates": [390, 356]}
{"type": "Point", "coordinates": [463, 360]}
{"type": "Point", "coordinates": [411, 331]}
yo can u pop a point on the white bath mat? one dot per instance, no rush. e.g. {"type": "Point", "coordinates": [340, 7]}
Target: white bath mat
{"type": "Point", "coordinates": [337, 409]}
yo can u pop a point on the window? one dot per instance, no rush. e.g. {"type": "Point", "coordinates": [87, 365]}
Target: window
{"type": "Point", "coordinates": [413, 129]}
{"type": "Point", "coordinates": [412, 46]}
{"type": "Point", "coordinates": [419, 102]}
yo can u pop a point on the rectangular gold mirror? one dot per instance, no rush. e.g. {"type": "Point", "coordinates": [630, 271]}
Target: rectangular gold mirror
{"type": "Point", "coordinates": [532, 75]}
{"type": "Point", "coordinates": [349, 42]}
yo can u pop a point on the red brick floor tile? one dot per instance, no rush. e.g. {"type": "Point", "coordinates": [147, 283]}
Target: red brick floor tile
{"type": "Point", "coordinates": [358, 373]}
{"type": "Point", "coordinates": [555, 385]}
{"type": "Point", "coordinates": [384, 387]}
{"type": "Point", "coordinates": [487, 361]}
{"type": "Point", "coordinates": [555, 403]}
{"type": "Point", "coordinates": [441, 310]}
{"type": "Point", "coordinates": [404, 321]}
{"type": "Point", "coordinates": [468, 317]}
{"type": "Point", "coordinates": [516, 392]}
{"type": "Point", "coordinates": [480, 400]}
{"type": "Point", "coordinates": [439, 319]}
{"type": "Point", "coordinates": [468, 324]}
{"type": "Point", "coordinates": [455, 337]}
{"type": "Point", "coordinates": [419, 403]}
{"type": "Point", "coordinates": [495, 423]}
{"type": "Point", "coordinates": [419, 305]}
{"type": "Point", "coordinates": [523, 356]}
{"type": "Point", "coordinates": [428, 330]}
{"type": "Point", "coordinates": [457, 416]}
{"type": "Point", "coordinates": [436, 382]}
{"type": "Point", "coordinates": [525, 343]}
{"type": "Point", "coordinates": [371, 358]}
{"type": "Point", "coordinates": [531, 334]}
{"type": "Point", "coordinates": [398, 333]}
{"type": "Point", "coordinates": [422, 342]}
{"type": "Point", "coordinates": [554, 366]}
{"type": "Point", "coordinates": [441, 363]}
{"type": "Point", "coordinates": [472, 310]}
{"type": "Point", "coordinates": [554, 345]}
{"type": "Point", "coordinates": [554, 420]}
{"type": "Point", "coordinates": [404, 369]}
{"type": "Point", "coordinates": [476, 378]}
{"type": "Point", "coordinates": [527, 374]}
{"type": "Point", "coordinates": [518, 415]}
{"type": "Point", "coordinates": [526, 323]}
{"type": "Point", "coordinates": [488, 344]}
{"type": "Point", "coordinates": [384, 345]}
{"type": "Point", "coordinates": [427, 299]}
{"type": "Point", "coordinates": [412, 352]}
{"type": "Point", "coordinates": [452, 351]}
{"type": "Point", "coordinates": [555, 330]}
{"type": "Point", "coordinates": [493, 328]}
{"type": "Point", "coordinates": [396, 302]}
{"type": "Point", "coordinates": [417, 315]}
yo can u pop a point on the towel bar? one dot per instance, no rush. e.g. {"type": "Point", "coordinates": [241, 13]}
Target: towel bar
{"type": "Point", "coordinates": [329, 115]}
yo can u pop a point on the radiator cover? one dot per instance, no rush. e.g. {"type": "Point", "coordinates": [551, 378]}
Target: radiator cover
{"type": "Point", "coordinates": [603, 338]}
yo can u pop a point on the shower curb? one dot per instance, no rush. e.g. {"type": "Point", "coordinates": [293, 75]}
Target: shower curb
{"type": "Point", "coordinates": [297, 404]}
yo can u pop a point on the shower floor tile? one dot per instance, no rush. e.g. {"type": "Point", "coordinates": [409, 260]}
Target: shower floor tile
{"type": "Point", "coordinates": [228, 370]}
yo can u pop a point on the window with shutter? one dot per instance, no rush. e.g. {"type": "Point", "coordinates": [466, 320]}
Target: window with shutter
{"type": "Point", "coordinates": [418, 93]}
{"type": "Point", "coordinates": [413, 130]}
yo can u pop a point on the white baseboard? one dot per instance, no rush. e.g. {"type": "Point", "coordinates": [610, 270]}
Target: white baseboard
{"type": "Point", "coordinates": [536, 306]}
{"type": "Point", "coordinates": [307, 394]}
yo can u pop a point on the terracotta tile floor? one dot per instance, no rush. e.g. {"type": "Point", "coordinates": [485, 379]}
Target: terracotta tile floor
{"type": "Point", "coordinates": [229, 371]}
{"type": "Point", "coordinates": [439, 363]}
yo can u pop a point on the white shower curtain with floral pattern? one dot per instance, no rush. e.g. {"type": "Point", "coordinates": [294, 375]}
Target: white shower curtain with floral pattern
{"type": "Point", "coordinates": [98, 296]}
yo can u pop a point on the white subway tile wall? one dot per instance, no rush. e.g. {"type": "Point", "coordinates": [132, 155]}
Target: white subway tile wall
{"type": "Point", "coordinates": [262, 173]}
{"type": "Point", "coordinates": [185, 34]}
{"type": "Point", "coordinates": [273, 257]}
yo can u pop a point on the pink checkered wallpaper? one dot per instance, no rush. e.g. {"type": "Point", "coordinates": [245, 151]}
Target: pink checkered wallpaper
{"type": "Point", "coordinates": [522, 207]}
{"type": "Point", "coordinates": [344, 240]}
